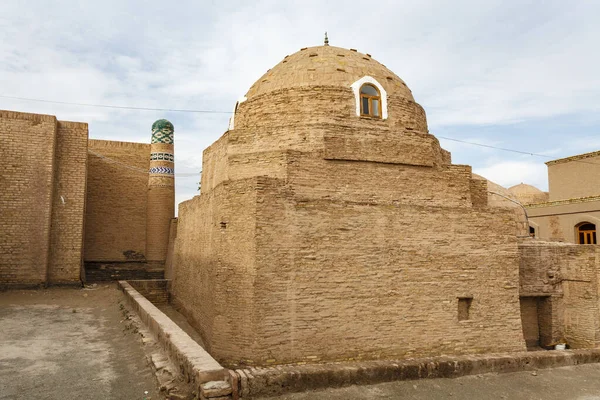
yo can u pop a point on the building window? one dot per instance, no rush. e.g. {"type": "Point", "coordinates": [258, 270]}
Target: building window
{"type": "Point", "coordinates": [370, 98]}
{"type": "Point", "coordinates": [464, 307]}
{"type": "Point", "coordinates": [586, 233]}
{"type": "Point", "coordinates": [531, 231]}
{"type": "Point", "coordinates": [370, 101]}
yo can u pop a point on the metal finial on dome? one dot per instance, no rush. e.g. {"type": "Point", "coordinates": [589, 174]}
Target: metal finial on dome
{"type": "Point", "coordinates": [326, 40]}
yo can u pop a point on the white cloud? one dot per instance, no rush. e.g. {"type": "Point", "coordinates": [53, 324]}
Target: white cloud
{"type": "Point", "coordinates": [467, 62]}
{"type": "Point", "coordinates": [510, 173]}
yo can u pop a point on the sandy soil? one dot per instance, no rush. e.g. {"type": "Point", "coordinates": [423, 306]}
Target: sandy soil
{"type": "Point", "coordinates": [66, 344]}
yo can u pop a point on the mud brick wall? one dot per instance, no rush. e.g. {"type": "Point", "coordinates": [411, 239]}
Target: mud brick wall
{"type": "Point", "coordinates": [321, 235]}
{"type": "Point", "coordinates": [171, 249]}
{"type": "Point", "coordinates": [68, 203]}
{"type": "Point", "coordinates": [329, 104]}
{"type": "Point", "coordinates": [27, 178]}
{"type": "Point", "coordinates": [569, 274]}
{"type": "Point", "coordinates": [382, 279]}
{"type": "Point", "coordinates": [215, 264]}
{"type": "Point", "coordinates": [115, 218]}
{"type": "Point", "coordinates": [316, 272]}
{"type": "Point", "coordinates": [156, 291]}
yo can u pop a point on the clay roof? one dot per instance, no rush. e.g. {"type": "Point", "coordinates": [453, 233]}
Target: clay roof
{"type": "Point", "coordinates": [528, 194]}
{"type": "Point", "coordinates": [523, 188]}
{"type": "Point", "coordinates": [327, 66]}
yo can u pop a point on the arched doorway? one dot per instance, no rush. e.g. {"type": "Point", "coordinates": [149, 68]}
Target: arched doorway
{"type": "Point", "coordinates": [586, 233]}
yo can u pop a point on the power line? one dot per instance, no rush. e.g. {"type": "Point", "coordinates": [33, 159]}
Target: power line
{"type": "Point", "coordinates": [511, 150]}
{"type": "Point", "coordinates": [118, 107]}
{"type": "Point", "coordinates": [231, 112]}
{"type": "Point", "coordinates": [493, 147]}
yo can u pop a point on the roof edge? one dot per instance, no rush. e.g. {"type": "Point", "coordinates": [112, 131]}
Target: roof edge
{"type": "Point", "coordinates": [574, 158]}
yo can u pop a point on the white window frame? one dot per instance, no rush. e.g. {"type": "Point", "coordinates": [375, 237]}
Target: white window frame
{"type": "Point", "coordinates": [232, 118]}
{"type": "Point", "coordinates": [356, 89]}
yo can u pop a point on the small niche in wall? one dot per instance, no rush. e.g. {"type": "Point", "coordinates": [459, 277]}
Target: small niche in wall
{"type": "Point", "coordinates": [464, 308]}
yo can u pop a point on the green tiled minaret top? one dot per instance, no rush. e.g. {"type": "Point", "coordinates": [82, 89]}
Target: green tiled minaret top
{"type": "Point", "coordinates": [162, 132]}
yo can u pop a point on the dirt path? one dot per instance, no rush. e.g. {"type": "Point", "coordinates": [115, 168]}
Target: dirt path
{"type": "Point", "coordinates": [70, 344]}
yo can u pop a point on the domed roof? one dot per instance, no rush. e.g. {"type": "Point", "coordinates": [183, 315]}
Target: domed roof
{"type": "Point", "coordinates": [498, 196]}
{"type": "Point", "coordinates": [327, 66]}
{"type": "Point", "coordinates": [162, 124]}
{"type": "Point", "coordinates": [162, 131]}
{"type": "Point", "coordinates": [523, 188]}
{"type": "Point", "coordinates": [528, 194]}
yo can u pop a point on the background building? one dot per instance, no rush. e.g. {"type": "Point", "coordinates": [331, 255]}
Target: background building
{"type": "Point", "coordinates": [570, 211]}
{"type": "Point", "coordinates": [68, 202]}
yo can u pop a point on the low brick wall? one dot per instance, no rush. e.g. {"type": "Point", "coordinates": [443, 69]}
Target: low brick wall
{"type": "Point", "coordinates": [198, 367]}
{"type": "Point", "coordinates": [155, 290]}
{"type": "Point", "coordinates": [253, 382]}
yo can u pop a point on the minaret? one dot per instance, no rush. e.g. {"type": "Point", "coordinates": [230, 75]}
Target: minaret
{"type": "Point", "coordinates": [161, 191]}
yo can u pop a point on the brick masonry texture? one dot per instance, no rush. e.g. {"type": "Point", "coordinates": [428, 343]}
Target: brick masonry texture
{"type": "Point", "coordinates": [196, 364]}
{"type": "Point", "coordinates": [155, 290]}
{"type": "Point", "coordinates": [115, 221]}
{"type": "Point", "coordinates": [259, 382]}
{"type": "Point", "coordinates": [320, 235]}
{"type": "Point", "coordinates": [568, 275]}
{"type": "Point", "coordinates": [68, 207]}
{"type": "Point", "coordinates": [44, 164]}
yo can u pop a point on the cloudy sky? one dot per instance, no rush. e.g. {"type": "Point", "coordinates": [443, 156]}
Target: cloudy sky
{"type": "Point", "coordinates": [515, 74]}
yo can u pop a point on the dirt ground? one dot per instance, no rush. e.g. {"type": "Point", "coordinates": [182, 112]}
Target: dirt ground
{"type": "Point", "coordinates": [566, 383]}
{"type": "Point", "coordinates": [64, 343]}
{"type": "Point", "coordinates": [75, 344]}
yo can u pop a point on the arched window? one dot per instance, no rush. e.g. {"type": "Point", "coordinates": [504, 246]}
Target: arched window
{"type": "Point", "coordinates": [370, 101]}
{"type": "Point", "coordinates": [586, 233]}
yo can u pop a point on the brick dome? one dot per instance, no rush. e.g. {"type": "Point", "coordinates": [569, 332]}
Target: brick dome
{"type": "Point", "coordinates": [528, 194]}
{"type": "Point", "coordinates": [327, 66]}
{"type": "Point", "coordinates": [320, 85]}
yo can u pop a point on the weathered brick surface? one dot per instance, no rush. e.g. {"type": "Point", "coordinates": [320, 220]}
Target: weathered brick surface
{"type": "Point", "coordinates": [155, 290]}
{"type": "Point", "coordinates": [213, 284]}
{"type": "Point", "coordinates": [569, 275]}
{"type": "Point", "coordinates": [259, 382]}
{"type": "Point", "coordinates": [329, 104]}
{"type": "Point", "coordinates": [42, 198]}
{"type": "Point", "coordinates": [28, 143]}
{"type": "Point", "coordinates": [355, 265]}
{"type": "Point", "coordinates": [197, 366]}
{"type": "Point", "coordinates": [321, 235]}
{"type": "Point", "coordinates": [115, 215]}
{"type": "Point", "coordinates": [68, 202]}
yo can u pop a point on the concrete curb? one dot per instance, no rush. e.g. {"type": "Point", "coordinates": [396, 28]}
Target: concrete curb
{"type": "Point", "coordinates": [277, 380]}
{"type": "Point", "coordinates": [196, 364]}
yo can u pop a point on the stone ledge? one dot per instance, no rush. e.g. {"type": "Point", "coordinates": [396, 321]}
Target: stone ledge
{"type": "Point", "coordinates": [254, 382]}
{"type": "Point", "coordinates": [197, 365]}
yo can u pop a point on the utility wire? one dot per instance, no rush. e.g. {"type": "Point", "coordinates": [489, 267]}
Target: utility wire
{"type": "Point", "coordinates": [511, 150]}
{"type": "Point", "coordinates": [231, 112]}
{"type": "Point", "coordinates": [118, 107]}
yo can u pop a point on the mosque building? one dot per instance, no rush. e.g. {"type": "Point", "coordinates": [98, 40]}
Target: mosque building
{"type": "Point", "coordinates": [331, 225]}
